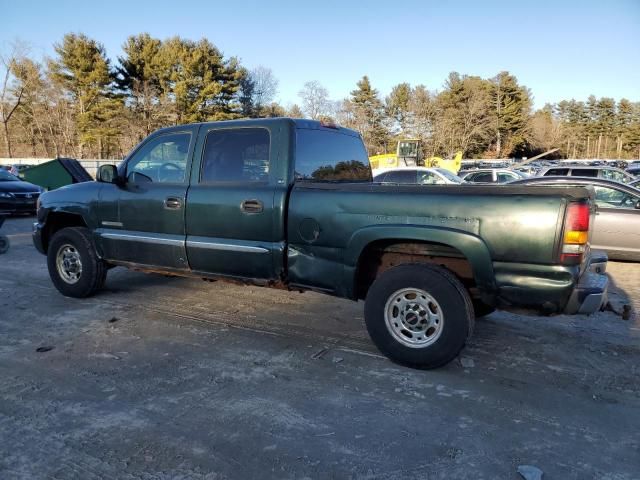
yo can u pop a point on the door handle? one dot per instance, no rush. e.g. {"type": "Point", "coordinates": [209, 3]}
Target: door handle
{"type": "Point", "coordinates": [172, 203]}
{"type": "Point", "coordinates": [252, 206]}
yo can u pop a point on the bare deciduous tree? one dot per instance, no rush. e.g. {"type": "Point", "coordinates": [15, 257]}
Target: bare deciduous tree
{"type": "Point", "coordinates": [13, 87]}
{"type": "Point", "coordinates": [315, 100]}
{"type": "Point", "coordinates": [265, 86]}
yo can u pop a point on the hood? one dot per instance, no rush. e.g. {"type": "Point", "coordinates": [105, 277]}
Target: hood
{"type": "Point", "coordinates": [19, 187]}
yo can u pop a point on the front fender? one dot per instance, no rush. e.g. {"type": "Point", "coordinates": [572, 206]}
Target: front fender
{"type": "Point", "coordinates": [470, 245]}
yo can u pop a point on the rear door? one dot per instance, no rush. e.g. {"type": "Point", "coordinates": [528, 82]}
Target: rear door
{"type": "Point", "coordinates": [235, 207]}
{"type": "Point", "coordinates": [143, 221]}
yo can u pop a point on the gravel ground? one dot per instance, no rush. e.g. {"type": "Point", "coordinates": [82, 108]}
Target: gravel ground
{"type": "Point", "coordinates": [163, 378]}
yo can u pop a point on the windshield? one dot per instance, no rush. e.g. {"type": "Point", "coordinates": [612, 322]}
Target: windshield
{"type": "Point", "coordinates": [448, 175]}
{"type": "Point", "coordinates": [7, 177]}
{"type": "Point", "coordinates": [408, 149]}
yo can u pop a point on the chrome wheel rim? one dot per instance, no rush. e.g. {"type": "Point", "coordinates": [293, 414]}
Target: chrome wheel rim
{"type": "Point", "coordinates": [69, 264]}
{"type": "Point", "coordinates": [413, 317]}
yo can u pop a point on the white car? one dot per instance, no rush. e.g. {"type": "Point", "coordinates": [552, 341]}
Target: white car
{"type": "Point", "coordinates": [492, 175]}
{"type": "Point", "coordinates": [419, 176]}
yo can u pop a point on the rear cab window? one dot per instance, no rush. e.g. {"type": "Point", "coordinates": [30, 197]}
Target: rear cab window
{"type": "Point", "coordinates": [328, 155]}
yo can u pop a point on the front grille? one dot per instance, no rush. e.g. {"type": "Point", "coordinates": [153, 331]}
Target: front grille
{"type": "Point", "coordinates": [27, 195]}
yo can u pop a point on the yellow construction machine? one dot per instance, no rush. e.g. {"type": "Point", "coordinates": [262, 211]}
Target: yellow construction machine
{"type": "Point", "coordinates": [409, 154]}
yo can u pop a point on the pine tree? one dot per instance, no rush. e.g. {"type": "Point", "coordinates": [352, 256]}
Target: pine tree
{"type": "Point", "coordinates": [82, 71]}
{"type": "Point", "coordinates": [511, 114]}
{"type": "Point", "coordinates": [398, 106]}
{"type": "Point", "coordinates": [139, 78]}
{"type": "Point", "coordinates": [368, 116]}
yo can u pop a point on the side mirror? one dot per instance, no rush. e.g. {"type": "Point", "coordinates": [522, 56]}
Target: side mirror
{"type": "Point", "coordinates": [637, 207]}
{"type": "Point", "coordinates": [107, 174]}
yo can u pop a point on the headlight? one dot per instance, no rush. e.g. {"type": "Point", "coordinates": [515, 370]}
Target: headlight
{"type": "Point", "coordinates": [5, 195]}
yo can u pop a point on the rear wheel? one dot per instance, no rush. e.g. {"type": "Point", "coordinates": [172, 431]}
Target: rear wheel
{"type": "Point", "coordinates": [419, 315]}
{"type": "Point", "coordinates": [74, 266]}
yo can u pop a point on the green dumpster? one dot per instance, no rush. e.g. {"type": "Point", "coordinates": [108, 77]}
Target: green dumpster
{"type": "Point", "coordinates": [56, 173]}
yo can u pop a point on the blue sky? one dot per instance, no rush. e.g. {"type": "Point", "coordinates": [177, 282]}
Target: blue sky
{"type": "Point", "coordinates": [559, 49]}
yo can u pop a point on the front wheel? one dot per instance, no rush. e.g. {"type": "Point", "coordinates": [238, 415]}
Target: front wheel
{"type": "Point", "coordinates": [74, 266]}
{"type": "Point", "coordinates": [419, 315]}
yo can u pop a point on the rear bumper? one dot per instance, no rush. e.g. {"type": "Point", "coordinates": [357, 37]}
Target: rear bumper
{"type": "Point", "coordinates": [553, 288]}
{"type": "Point", "coordinates": [590, 293]}
{"type": "Point", "coordinates": [598, 261]}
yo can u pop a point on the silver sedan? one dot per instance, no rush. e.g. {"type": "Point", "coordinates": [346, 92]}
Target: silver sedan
{"type": "Point", "coordinates": [617, 224]}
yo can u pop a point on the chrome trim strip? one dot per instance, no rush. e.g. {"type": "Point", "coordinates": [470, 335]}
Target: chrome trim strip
{"type": "Point", "coordinates": [112, 224]}
{"type": "Point", "coordinates": [143, 239]}
{"type": "Point", "coordinates": [229, 247]}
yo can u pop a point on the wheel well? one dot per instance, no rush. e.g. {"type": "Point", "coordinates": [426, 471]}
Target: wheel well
{"type": "Point", "coordinates": [57, 221]}
{"type": "Point", "coordinates": [382, 255]}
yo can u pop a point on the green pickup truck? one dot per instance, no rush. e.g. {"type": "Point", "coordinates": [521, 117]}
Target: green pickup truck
{"type": "Point", "coordinates": [290, 204]}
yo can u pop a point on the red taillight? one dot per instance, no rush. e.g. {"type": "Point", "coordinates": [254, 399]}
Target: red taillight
{"type": "Point", "coordinates": [578, 215]}
{"type": "Point", "coordinates": [576, 233]}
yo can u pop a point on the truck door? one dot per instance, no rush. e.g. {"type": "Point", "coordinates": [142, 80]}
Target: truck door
{"type": "Point", "coordinates": [143, 220]}
{"type": "Point", "coordinates": [235, 206]}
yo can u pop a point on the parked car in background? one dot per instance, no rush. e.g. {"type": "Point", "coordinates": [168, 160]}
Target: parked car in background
{"type": "Point", "coordinates": [491, 175]}
{"type": "Point", "coordinates": [634, 170]}
{"type": "Point", "coordinates": [419, 176]}
{"type": "Point", "coordinates": [607, 173]}
{"type": "Point", "coordinates": [617, 222]}
{"type": "Point", "coordinates": [17, 196]}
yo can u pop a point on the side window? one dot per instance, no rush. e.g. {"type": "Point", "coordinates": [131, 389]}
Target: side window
{"type": "Point", "coordinates": [330, 156]}
{"type": "Point", "coordinates": [612, 175]}
{"type": "Point", "coordinates": [556, 171]}
{"type": "Point", "coordinates": [584, 172]}
{"type": "Point", "coordinates": [482, 177]}
{"type": "Point", "coordinates": [160, 160]}
{"type": "Point", "coordinates": [429, 178]}
{"type": "Point", "coordinates": [401, 176]}
{"type": "Point", "coordinates": [236, 155]}
{"type": "Point", "coordinates": [504, 177]}
{"type": "Point", "coordinates": [612, 198]}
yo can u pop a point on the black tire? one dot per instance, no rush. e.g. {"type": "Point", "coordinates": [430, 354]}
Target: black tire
{"type": "Point", "coordinates": [4, 244]}
{"type": "Point", "coordinates": [94, 270]}
{"type": "Point", "coordinates": [482, 309]}
{"type": "Point", "coordinates": [456, 312]}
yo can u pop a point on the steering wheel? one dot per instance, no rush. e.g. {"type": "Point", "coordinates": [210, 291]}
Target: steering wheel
{"type": "Point", "coordinates": [167, 171]}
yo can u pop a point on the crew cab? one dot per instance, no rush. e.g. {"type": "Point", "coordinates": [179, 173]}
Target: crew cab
{"type": "Point", "coordinates": [291, 204]}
